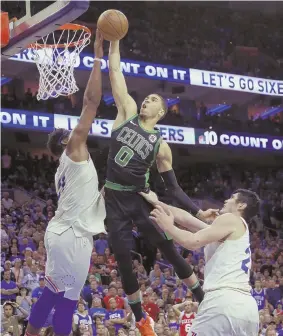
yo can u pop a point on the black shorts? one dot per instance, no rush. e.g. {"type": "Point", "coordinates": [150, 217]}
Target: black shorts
{"type": "Point", "coordinates": [125, 208]}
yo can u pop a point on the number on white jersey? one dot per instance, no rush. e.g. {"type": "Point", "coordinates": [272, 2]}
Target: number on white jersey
{"type": "Point", "coordinates": [246, 261]}
{"type": "Point", "coordinates": [61, 185]}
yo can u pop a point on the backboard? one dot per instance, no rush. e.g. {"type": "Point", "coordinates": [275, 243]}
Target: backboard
{"type": "Point", "coordinates": [38, 19]}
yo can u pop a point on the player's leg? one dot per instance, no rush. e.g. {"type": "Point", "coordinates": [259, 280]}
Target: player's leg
{"type": "Point", "coordinates": [66, 270]}
{"type": "Point", "coordinates": [77, 254]}
{"type": "Point", "coordinates": [40, 311]}
{"type": "Point", "coordinates": [119, 224]}
{"type": "Point", "coordinates": [63, 316]}
{"type": "Point", "coordinates": [47, 300]}
{"type": "Point", "coordinates": [166, 246]}
{"type": "Point", "coordinates": [183, 270]}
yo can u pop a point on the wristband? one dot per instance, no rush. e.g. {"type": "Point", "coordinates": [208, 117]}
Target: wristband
{"type": "Point", "coordinates": [97, 59]}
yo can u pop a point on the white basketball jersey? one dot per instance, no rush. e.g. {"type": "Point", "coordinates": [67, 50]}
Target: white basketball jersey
{"type": "Point", "coordinates": [228, 264]}
{"type": "Point", "coordinates": [80, 204]}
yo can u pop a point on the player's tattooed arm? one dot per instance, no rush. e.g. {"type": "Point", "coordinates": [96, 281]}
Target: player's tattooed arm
{"type": "Point", "coordinates": [126, 105]}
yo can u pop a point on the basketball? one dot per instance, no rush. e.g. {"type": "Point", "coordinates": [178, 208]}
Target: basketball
{"type": "Point", "coordinates": [113, 25]}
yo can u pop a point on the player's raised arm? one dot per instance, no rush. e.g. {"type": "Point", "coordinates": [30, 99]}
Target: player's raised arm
{"type": "Point", "coordinates": [164, 166]}
{"type": "Point", "coordinates": [126, 105]}
{"type": "Point", "coordinates": [76, 147]}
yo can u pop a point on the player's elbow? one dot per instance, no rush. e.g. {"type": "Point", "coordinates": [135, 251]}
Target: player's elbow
{"type": "Point", "coordinates": [79, 133]}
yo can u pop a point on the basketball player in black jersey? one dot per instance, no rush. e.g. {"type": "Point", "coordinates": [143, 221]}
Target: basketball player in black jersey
{"type": "Point", "coordinates": [135, 145]}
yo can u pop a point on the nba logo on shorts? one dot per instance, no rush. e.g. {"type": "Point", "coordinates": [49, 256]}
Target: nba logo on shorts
{"type": "Point", "coordinates": [152, 138]}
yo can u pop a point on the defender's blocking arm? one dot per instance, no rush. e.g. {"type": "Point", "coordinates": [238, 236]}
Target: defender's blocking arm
{"type": "Point", "coordinates": [92, 96]}
{"type": "Point", "coordinates": [215, 232]}
{"type": "Point", "coordinates": [181, 216]}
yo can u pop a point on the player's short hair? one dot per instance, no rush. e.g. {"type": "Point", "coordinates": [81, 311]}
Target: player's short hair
{"type": "Point", "coordinates": [54, 142]}
{"type": "Point", "coordinates": [251, 199]}
{"type": "Point", "coordinates": [164, 105]}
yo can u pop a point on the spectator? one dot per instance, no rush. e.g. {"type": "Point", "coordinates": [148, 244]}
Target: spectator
{"type": "Point", "coordinates": [31, 279]}
{"type": "Point", "coordinates": [24, 300]}
{"type": "Point", "coordinates": [10, 320]}
{"type": "Point", "coordinates": [14, 254]}
{"type": "Point", "coordinates": [82, 322]}
{"type": "Point", "coordinates": [96, 326]}
{"type": "Point", "coordinates": [110, 259]}
{"type": "Point", "coordinates": [112, 293]}
{"type": "Point", "coordinates": [115, 317]}
{"type": "Point", "coordinates": [101, 244]}
{"type": "Point", "coordinates": [97, 309]}
{"type": "Point", "coordinates": [7, 267]}
{"type": "Point", "coordinates": [9, 288]}
{"type": "Point", "coordinates": [150, 307]}
{"type": "Point", "coordinates": [38, 235]}
{"type": "Point", "coordinates": [273, 294]}
{"type": "Point", "coordinates": [7, 201]}
{"type": "Point", "coordinates": [37, 292]}
{"type": "Point", "coordinates": [18, 271]}
{"type": "Point", "coordinates": [92, 291]}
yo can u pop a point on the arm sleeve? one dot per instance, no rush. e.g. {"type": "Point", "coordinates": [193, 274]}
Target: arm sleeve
{"type": "Point", "coordinates": [175, 192]}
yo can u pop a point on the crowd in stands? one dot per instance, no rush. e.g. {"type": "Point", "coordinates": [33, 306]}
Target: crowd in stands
{"type": "Point", "coordinates": [103, 308]}
{"type": "Point", "coordinates": [204, 35]}
{"type": "Point", "coordinates": [201, 36]}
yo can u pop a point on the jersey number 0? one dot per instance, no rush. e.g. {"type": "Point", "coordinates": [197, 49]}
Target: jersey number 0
{"type": "Point", "coordinates": [124, 155]}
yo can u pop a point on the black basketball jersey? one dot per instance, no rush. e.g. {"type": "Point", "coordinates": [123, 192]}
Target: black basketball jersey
{"type": "Point", "coordinates": [132, 152]}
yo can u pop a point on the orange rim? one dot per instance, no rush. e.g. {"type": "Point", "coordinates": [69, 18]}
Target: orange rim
{"type": "Point", "coordinates": [67, 26]}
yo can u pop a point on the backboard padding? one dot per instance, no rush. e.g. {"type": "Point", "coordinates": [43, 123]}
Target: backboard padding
{"type": "Point", "coordinates": [32, 28]}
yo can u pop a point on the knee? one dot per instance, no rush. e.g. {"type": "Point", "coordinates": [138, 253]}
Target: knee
{"type": "Point", "coordinates": [121, 241]}
{"type": "Point", "coordinates": [128, 277]}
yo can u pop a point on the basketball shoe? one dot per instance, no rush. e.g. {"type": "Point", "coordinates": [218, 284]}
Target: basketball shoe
{"type": "Point", "coordinates": [145, 326]}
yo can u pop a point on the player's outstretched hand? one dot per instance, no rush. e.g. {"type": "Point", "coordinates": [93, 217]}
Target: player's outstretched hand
{"type": "Point", "coordinates": [209, 215]}
{"type": "Point", "coordinates": [151, 197]}
{"type": "Point", "coordinates": [162, 217]}
{"type": "Point", "coordinates": [98, 44]}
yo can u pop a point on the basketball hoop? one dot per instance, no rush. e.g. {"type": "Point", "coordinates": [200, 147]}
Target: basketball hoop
{"type": "Point", "coordinates": [55, 56]}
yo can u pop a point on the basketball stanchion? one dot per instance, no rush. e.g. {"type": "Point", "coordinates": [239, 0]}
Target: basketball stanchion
{"type": "Point", "coordinates": [55, 56]}
{"type": "Point", "coordinates": [5, 31]}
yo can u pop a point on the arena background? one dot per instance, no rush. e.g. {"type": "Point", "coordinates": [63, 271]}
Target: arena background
{"type": "Point", "coordinates": [219, 65]}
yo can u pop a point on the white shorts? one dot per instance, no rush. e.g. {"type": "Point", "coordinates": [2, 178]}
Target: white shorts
{"type": "Point", "coordinates": [226, 312]}
{"type": "Point", "coordinates": [68, 260]}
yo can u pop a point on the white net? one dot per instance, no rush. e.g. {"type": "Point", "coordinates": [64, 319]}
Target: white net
{"type": "Point", "coordinates": [56, 56]}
